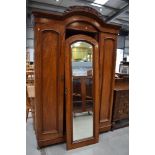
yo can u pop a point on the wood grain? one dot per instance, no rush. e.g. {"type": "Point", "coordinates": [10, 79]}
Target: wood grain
{"type": "Point", "coordinates": [49, 86]}
{"type": "Point", "coordinates": [107, 69]}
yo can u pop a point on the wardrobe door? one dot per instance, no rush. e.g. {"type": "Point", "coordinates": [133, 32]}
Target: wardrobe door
{"type": "Point", "coordinates": [49, 84]}
{"type": "Point", "coordinates": [107, 70]}
{"type": "Point", "coordinates": [82, 87]}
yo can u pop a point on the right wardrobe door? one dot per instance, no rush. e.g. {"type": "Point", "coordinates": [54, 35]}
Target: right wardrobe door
{"type": "Point", "coordinates": [107, 70]}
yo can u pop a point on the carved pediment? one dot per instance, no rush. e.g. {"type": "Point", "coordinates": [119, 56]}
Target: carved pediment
{"type": "Point", "coordinates": [86, 9]}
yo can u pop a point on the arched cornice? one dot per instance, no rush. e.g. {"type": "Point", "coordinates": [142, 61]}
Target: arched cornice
{"type": "Point", "coordinates": [75, 11]}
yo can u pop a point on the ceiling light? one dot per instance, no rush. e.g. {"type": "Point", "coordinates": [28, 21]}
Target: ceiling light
{"type": "Point", "coordinates": [57, 0]}
{"type": "Point", "coordinates": [96, 5]}
{"type": "Point", "coordinates": [101, 1]}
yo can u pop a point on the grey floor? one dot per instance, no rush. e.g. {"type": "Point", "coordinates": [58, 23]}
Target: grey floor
{"type": "Point", "coordinates": [111, 143]}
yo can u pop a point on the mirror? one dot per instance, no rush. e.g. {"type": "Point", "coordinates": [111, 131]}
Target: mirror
{"type": "Point", "coordinates": [82, 90]}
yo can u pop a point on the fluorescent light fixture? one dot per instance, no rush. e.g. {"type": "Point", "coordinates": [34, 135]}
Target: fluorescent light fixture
{"type": "Point", "coordinates": [96, 5]}
{"type": "Point", "coordinates": [101, 2]}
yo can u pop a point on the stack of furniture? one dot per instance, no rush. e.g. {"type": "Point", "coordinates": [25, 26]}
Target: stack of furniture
{"type": "Point", "coordinates": [30, 90]}
{"type": "Point", "coordinates": [30, 106]}
{"type": "Point", "coordinates": [30, 74]}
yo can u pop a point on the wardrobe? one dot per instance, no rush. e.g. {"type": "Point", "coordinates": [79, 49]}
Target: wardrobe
{"type": "Point", "coordinates": [54, 33]}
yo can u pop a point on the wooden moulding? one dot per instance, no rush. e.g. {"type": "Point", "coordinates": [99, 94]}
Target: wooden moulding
{"type": "Point", "coordinates": [77, 13]}
{"type": "Point", "coordinates": [47, 142]}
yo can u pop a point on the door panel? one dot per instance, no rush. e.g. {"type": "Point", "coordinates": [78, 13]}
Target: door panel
{"type": "Point", "coordinates": [107, 66]}
{"type": "Point", "coordinates": [82, 87]}
{"type": "Point", "coordinates": [49, 85]}
{"type": "Point", "coordinates": [50, 81]}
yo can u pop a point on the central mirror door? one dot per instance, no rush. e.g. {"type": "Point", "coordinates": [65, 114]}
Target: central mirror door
{"type": "Point", "coordinates": [82, 91]}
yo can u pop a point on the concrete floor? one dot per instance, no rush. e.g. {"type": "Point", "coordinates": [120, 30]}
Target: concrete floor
{"type": "Point", "coordinates": [111, 143]}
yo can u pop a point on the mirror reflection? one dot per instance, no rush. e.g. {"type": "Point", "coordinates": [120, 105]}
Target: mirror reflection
{"type": "Point", "coordinates": [82, 86]}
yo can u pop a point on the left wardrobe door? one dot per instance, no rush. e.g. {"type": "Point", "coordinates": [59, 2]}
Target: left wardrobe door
{"type": "Point", "coordinates": [49, 84]}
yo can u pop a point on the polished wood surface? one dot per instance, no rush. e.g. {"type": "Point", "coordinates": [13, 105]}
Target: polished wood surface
{"type": "Point", "coordinates": [49, 85]}
{"type": "Point", "coordinates": [80, 14]}
{"type": "Point", "coordinates": [121, 83]}
{"type": "Point", "coordinates": [82, 26]}
{"type": "Point", "coordinates": [51, 32]}
{"type": "Point", "coordinates": [107, 69]}
{"type": "Point", "coordinates": [68, 81]}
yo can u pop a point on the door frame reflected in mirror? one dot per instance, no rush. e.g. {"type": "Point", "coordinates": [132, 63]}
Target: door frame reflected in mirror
{"type": "Point", "coordinates": [68, 85]}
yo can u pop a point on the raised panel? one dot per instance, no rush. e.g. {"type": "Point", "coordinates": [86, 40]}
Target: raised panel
{"type": "Point", "coordinates": [107, 65]}
{"type": "Point", "coordinates": [49, 84]}
{"type": "Point", "coordinates": [107, 77]}
{"type": "Point", "coordinates": [50, 51]}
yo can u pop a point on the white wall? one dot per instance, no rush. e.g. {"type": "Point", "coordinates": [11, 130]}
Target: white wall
{"type": "Point", "coordinates": [126, 49]}
{"type": "Point", "coordinates": [120, 42]}
{"type": "Point", "coordinates": [29, 38]}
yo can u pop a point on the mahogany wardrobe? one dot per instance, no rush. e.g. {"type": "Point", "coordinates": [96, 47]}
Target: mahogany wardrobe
{"type": "Point", "coordinates": [75, 54]}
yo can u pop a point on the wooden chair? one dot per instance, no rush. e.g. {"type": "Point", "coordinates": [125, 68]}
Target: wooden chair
{"type": "Point", "coordinates": [28, 106]}
{"type": "Point", "coordinates": [30, 95]}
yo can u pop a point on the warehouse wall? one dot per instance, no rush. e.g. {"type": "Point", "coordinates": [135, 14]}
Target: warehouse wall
{"type": "Point", "coordinates": [29, 32]}
{"type": "Point", "coordinates": [126, 48]}
{"type": "Point", "coordinates": [122, 50]}
{"type": "Point", "coordinates": [120, 42]}
{"type": "Point", "coordinates": [29, 37]}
